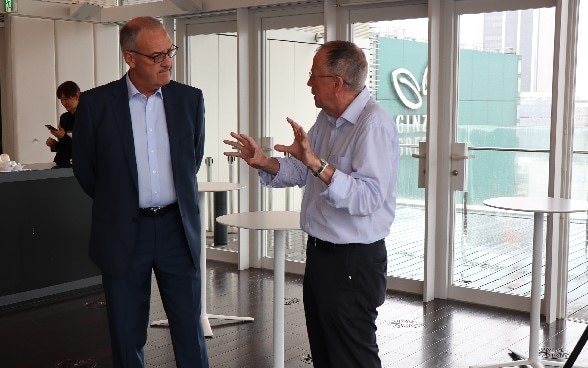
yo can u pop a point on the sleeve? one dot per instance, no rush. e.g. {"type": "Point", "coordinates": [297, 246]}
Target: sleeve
{"type": "Point", "coordinates": [292, 173]}
{"type": "Point", "coordinates": [373, 167]}
{"type": "Point", "coordinates": [84, 146]}
{"type": "Point", "coordinates": [199, 130]}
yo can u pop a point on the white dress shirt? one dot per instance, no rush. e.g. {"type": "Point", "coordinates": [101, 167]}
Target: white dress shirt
{"type": "Point", "coordinates": [360, 203]}
{"type": "Point", "coordinates": [156, 182]}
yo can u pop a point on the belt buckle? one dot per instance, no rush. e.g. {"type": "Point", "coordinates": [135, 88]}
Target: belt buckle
{"type": "Point", "coordinates": [155, 210]}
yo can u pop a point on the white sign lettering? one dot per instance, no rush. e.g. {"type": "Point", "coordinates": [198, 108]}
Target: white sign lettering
{"type": "Point", "coordinates": [403, 77]}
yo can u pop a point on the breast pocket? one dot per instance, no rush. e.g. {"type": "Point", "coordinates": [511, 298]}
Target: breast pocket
{"type": "Point", "coordinates": [343, 164]}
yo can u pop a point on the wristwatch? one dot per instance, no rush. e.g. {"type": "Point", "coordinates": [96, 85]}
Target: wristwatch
{"type": "Point", "coordinates": [320, 170]}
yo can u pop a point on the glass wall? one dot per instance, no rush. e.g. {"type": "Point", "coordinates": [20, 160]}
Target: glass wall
{"type": "Point", "coordinates": [504, 115]}
{"type": "Point", "coordinates": [397, 53]}
{"type": "Point", "coordinates": [578, 233]}
{"type": "Point", "coordinates": [503, 103]}
{"type": "Point", "coordinates": [288, 55]}
{"type": "Point", "coordinates": [289, 45]}
{"type": "Point", "coordinates": [211, 64]}
{"type": "Point", "coordinates": [213, 69]}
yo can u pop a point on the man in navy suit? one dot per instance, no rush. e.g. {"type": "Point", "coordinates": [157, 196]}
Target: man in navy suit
{"type": "Point", "coordinates": [139, 144]}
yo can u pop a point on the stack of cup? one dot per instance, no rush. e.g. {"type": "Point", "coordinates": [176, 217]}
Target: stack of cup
{"type": "Point", "coordinates": [5, 163]}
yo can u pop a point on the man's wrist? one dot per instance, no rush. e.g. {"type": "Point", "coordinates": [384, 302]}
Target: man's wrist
{"type": "Point", "coordinates": [320, 169]}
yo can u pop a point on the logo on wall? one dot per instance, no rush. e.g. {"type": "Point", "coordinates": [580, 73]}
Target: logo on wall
{"type": "Point", "coordinates": [403, 80]}
{"type": "Point", "coordinates": [411, 127]}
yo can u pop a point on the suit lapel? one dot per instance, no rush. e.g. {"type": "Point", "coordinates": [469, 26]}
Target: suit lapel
{"type": "Point", "coordinates": [170, 103]}
{"type": "Point", "coordinates": [124, 126]}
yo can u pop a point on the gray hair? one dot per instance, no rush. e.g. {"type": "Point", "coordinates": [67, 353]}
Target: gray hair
{"type": "Point", "coordinates": [347, 60]}
{"type": "Point", "coordinates": [128, 32]}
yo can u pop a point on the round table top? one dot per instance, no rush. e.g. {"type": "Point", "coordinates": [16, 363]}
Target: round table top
{"type": "Point", "coordinates": [211, 186]}
{"type": "Point", "coordinates": [263, 220]}
{"type": "Point", "coordinates": [537, 204]}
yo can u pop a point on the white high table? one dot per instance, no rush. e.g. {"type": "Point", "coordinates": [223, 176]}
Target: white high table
{"type": "Point", "coordinates": [279, 221]}
{"type": "Point", "coordinates": [203, 188]}
{"type": "Point", "coordinates": [539, 207]}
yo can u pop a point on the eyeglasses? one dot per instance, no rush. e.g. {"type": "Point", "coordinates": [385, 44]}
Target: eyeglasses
{"type": "Point", "coordinates": [312, 75]}
{"type": "Point", "coordinates": [159, 56]}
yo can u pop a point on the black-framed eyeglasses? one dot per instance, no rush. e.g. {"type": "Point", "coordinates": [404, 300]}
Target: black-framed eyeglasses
{"type": "Point", "coordinates": [159, 56]}
{"type": "Point", "coordinates": [311, 75]}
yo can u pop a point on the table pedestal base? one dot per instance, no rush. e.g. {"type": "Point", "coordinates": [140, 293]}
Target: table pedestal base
{"type": "Point", "coordinates": [518, 363]}
{"type": "Point", "coordinates": [202, 190]}
{"type": "Point", "coordinates": [205, 323]}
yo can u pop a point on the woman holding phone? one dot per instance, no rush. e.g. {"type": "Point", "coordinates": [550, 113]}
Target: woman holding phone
{"type": "Point", "coordinates": [69, 95]}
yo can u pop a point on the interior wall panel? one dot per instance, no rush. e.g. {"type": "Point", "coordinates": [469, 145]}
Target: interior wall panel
{"type": "Point", "coordinates": [74, 56]}
{"type": "Point", "coordinates": [42, 54]}
{"type": "Point", "coordinates": [106, 54]}
{"type": "Point", "coordinates": [33, 87]}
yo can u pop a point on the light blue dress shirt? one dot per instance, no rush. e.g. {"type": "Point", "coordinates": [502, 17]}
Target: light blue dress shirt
{"type": "Point", "coordinates": [156, 182]}
{"type": "Point", "coordinates": [360, 203]}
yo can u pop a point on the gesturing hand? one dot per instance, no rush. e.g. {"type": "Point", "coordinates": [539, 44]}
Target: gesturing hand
{"type": "Point", "coordinates": [248, 150]}
{"type": "Point", "coordinates": [300, 148]}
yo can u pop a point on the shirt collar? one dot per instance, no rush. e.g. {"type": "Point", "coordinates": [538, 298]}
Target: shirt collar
{"type": "Point", "coordinates": [352, 112]}
{"type": "Point", "coordinates": [133, 91]}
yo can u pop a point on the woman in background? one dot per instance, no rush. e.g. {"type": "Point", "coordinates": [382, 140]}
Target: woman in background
{"type": "Point", "coordinates": [69, 95]}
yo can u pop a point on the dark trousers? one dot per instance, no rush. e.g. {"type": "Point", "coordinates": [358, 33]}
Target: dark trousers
{"type": "Point", "coordinates": [343, 286]}
{"type": "Point", "coordinates": [161, 247]}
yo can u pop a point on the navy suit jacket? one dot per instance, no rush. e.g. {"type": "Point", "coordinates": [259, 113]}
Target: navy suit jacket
{"type": "Point", "coordinates": [106, 168]}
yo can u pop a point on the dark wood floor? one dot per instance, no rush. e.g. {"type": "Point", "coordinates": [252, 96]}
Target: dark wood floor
{"type": "Point", "coordinates": [72, 332]}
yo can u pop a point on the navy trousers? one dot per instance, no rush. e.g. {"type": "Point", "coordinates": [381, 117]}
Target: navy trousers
{"type": "Point", "coordinates": [161, 247]}
{"type": "Point", "coordinates": [342, 288]}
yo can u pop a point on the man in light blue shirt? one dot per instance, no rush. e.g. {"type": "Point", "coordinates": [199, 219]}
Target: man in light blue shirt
{"type": "Point", "coordinates": [348, 163]}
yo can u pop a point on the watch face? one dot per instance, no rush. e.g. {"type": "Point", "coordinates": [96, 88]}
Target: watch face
{"type": "Point", "coordinates": [320, 170]}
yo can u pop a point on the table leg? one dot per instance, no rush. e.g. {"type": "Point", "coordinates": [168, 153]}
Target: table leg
{"type": "Point", "coordinates": [535, 316]}
{"type": "Point", "coordinates": [204, 317]}
{"type": "Point", "coordinates": [536, 277]}
{"type": "Point", "coordinates": [221, 232]}
{"type": "Point", "coordinates": [279, 280]}
{"type": "Point", "coordinates": [203, 213]}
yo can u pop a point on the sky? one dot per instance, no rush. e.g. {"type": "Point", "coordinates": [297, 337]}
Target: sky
{"type": "Point", "coordinates": [472, 38]}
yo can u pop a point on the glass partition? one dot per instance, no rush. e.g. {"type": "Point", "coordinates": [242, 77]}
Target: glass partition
{"type": "Point", "coordinates": [504, 115]}
{"type": "Point", "coordinates": [578, 247]}
{"type": "Point", "coordinates": [397, 53]}
{"type": "Point", "coordinates": [288, 54]}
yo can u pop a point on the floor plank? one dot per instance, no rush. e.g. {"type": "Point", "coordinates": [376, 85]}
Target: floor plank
{"type": "Point", "coordinates": [410, 333]}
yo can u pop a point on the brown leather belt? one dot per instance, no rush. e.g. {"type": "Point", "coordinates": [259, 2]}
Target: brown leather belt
{"type": "Point", "coordinates": [325, 245]}
{"type": "Point", "coordinates": [157, 211]}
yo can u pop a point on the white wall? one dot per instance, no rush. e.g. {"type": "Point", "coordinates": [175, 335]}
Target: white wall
{"type": "Point", "coordinates": [43, 53]}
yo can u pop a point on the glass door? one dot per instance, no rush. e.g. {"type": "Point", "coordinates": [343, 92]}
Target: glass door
{"type": "Point", "coordinates": [290, 39]}
{"type": "Point", "coordinates": [504, 81]}
{"type": "Point", "coordinates": [207, 59]}
{"type": "Point", "coordinates": [577, 297]}
{"type": "Point", "coordinates": [397, 52]}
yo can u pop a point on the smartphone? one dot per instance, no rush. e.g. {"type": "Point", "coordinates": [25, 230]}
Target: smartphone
{"type": "Point", "coordinates": [50, 127]}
